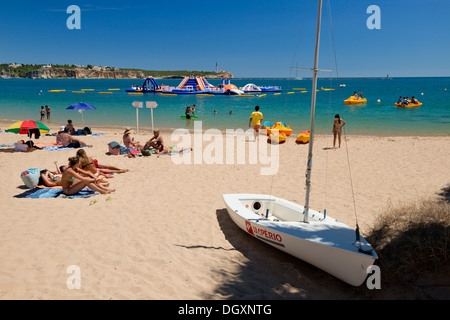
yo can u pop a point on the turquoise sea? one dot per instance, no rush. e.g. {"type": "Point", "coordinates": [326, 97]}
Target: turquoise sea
{"type": "Point", "coordinates": [21, 99]}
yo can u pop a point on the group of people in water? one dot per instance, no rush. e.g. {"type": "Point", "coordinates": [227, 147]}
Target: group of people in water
{"type": "Point", "coordinates": [190, 112]}
{"type": "Point", "coordinates": [45, 112]}
{"type": "Point", "coordinates": [406, 100]}
{"type": "Point", "coordinates": [80, 172]}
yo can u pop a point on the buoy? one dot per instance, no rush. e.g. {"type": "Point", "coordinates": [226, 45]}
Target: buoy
{"type": "Point", "coordinates": [290, 92]}
{"type": "Point", "coordinates": [87, 89]}
{"type": "Point", "coordinates": [262, 95]}
{"type": "Point", "coordinates": [114, 89]}
{"type": "Point", "coordinates": [276, 94]}
{"type": "Point", "coordinates": [135, 93]}
{"type": "Point", "coordinates": [204, 95]}
{"type": "Point", "coordinates": [77, 91]}
{"type": "Point", "coordinates": [378, 100]}
{"type": "Point", "coordinates": [166, 94]}
{"type": "Point", "coordinates": [303, 91]}
{"type": "Point", "coordinates": [421, 94]}
{"type": "Point", "coordinates": [299, 89]}
{"type": "Point", "coordinates": [105, 93]}
{"type": "Point", "coordinates": [245, 95]}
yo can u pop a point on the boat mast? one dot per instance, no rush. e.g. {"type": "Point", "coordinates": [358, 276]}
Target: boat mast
{"type": "Point", "coordinates": [313, 108]}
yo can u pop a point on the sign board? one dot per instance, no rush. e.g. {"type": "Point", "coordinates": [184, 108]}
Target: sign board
{"type": "Point", "coordinates": [138, 104]}
{"type": "Point", "coordinates": [151, 105]}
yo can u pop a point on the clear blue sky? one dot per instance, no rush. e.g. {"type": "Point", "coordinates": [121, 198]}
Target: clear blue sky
{"type": "Point", "coordinates": [249, 38]}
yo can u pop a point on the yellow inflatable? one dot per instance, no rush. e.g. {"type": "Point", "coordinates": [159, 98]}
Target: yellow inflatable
{"type": "Point", "coordinates": [410, 105]}
{"type": "Point", "coordinates": [303, 138]}
{"type": "Point", "coordinates": [353, 100]}
{"type": "Point", "coordinates": [277, 137]}
{"type": "Point", "coordinates": [280, 127]}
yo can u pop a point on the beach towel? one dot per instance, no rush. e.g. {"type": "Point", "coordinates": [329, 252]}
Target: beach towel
{"type": "Point", "coordinates": [41, 193]}
{"type": "Point", "coordinates": [59, 148]}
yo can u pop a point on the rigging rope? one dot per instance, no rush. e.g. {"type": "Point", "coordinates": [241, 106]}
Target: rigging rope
{"type": "Point", "coordinates": [290, 72]}
{"type": "Point", "coordinates": [342, 109]}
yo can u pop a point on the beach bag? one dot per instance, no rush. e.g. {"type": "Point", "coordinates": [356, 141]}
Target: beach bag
{"type": "Point", "coordinates": [114, 148]}
{"type": "Point", "coordinates": [31, 177]}
{"type": "Point", "coordinates": [86, 131]}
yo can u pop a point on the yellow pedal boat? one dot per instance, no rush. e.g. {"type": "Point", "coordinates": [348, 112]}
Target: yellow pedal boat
{"type": "Point", "coordinates": [409, 105]}
{"type": "Point", "coordinates": [353, 100]}
{"type": "Point", "coordinates": [303, 138]}
{"type": "Point", "coordinates": [277, 137]}
{"type": "Point", "coordinates": [281, 128]}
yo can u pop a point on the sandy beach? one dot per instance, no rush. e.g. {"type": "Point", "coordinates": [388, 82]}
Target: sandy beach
{"type": "Point", "coordinates": [165, 233]}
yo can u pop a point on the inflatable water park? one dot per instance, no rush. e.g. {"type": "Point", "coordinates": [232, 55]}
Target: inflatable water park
{"type": "Point", "coordinates": [199, 85]}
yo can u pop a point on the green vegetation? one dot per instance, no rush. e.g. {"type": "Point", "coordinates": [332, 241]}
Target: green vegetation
{"type": "Point", "coordinates": [413, 242]}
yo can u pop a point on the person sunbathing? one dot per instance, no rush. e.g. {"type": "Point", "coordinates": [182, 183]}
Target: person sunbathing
{"type": "Point", "coordinates": [69, 142]}
{"type": "Point", "coordinates": [49, 179]}
{"type": "Point", "coordinates": [166, 150]}
{"type": "Point", "coordinates": [89, 164]}
{"type": "Point", "coordinates": [72, 182]}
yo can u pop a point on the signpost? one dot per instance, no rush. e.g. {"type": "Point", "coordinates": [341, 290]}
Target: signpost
{"type": "Point", "coordinates": [151, 105]}
{"type": "Point", "coordinates": [138, 105]}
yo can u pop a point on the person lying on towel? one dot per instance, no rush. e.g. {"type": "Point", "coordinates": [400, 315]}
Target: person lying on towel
{"type": "Point", "coordinates": [70, 142]}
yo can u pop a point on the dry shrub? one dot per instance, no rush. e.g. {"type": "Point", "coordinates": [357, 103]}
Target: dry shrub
{"type": "Point", "coordinates": [412, 242]}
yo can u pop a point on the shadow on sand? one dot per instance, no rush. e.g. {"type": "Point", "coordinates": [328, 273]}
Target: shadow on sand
{"type": "Point", "coordinates": [272, 274]}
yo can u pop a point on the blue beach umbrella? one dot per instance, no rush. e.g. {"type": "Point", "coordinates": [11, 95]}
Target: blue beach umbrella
{"type": "Point", "coordinates": [80, 107]}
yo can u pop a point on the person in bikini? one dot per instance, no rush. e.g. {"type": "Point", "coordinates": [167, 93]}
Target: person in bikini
{"type": "Point", "coordinates": [337, 129]}
{"type": "Point", "coordinates": [72, 182]}
{"type": "Point", "coordinates": [92, 165]}
{"type": "Point", "coordinates": [48, 179]}
{"type": "Point", "coordinates": [166, 150]}
{"type": "Point", "coordinates": [129, 142]}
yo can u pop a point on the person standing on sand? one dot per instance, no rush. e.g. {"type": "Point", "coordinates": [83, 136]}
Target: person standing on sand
{"type": "Point", "coordinates": [337, 129]}
{"type": "Point", "coordinates": [256, 117]}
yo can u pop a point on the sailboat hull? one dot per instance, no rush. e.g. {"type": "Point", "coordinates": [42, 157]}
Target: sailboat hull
{"type": "Point", "coordinates": [323, 242]}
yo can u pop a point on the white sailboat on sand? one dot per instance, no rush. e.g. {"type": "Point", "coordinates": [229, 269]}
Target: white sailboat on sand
{"type": "Point", "coordinates": [300, 231]}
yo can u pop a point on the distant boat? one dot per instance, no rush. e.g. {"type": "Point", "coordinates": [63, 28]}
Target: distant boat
{"type": "Point", "coordinates": [342, 86]}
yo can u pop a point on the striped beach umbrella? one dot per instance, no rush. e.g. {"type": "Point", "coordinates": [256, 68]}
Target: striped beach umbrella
{"type": "Point", "coordinates": [22, 127]}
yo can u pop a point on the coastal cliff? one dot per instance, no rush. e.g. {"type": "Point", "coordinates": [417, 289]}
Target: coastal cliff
{"type": "Point", "coordinates": [61, 73]}
{"type": "Point", "coordinates": [58, 73]}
